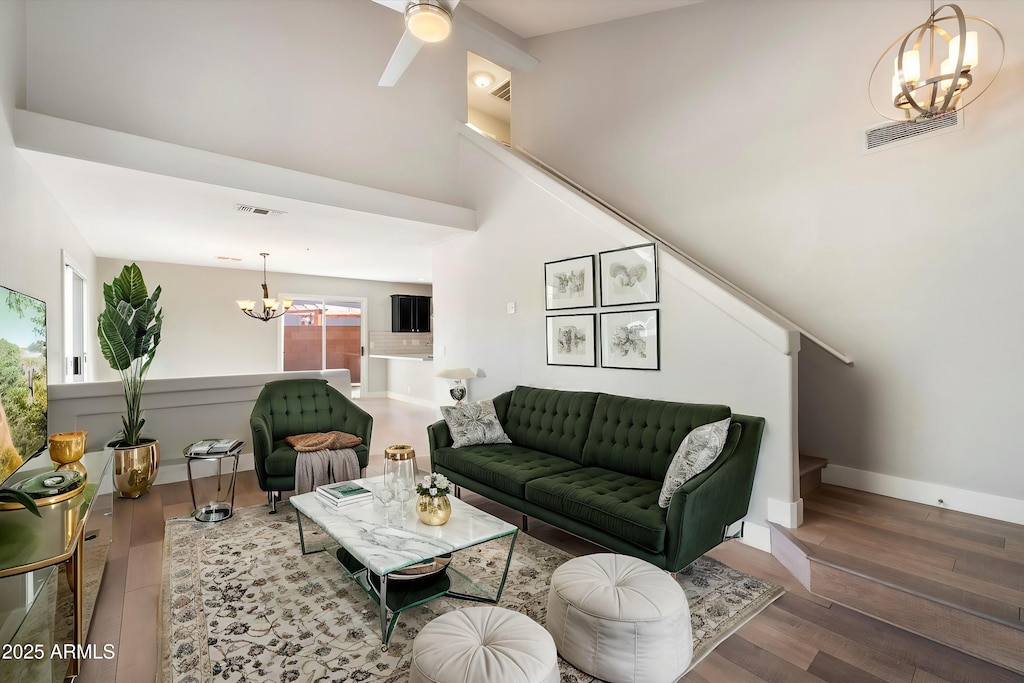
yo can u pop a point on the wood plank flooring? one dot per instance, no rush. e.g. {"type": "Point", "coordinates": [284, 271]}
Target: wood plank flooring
{"type": "Point", "coordinates": [800, 637]}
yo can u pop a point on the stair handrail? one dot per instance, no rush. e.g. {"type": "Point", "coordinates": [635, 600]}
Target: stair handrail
{"type": "Point", "coordinates": [734, 289]}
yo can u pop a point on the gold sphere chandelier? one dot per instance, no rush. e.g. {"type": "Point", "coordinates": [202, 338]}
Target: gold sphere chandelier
{"type": "Point", "coordinates": [935, 63]}
{"type": "Point", "coordinates": [270, 306]}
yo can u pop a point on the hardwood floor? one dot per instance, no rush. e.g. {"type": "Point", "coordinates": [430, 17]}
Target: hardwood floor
{"type": "Point", "coordinates": [800, 637]}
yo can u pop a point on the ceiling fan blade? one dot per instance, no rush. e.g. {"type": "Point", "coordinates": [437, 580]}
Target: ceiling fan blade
{"type": "Point", "coordinates": [397, 5]}
{"type": "Point", "coordinates": [403, 55]}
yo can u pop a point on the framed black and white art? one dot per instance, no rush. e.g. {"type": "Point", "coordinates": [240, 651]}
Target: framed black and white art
{"type": "Point", "coordinates": [629, 276]}
{"type": "Point", "coordinates": [569, 283]}
{"type": "Point", "coordinates": [572, 340]}
{"type": "Point", "coordinates": [631, 340]}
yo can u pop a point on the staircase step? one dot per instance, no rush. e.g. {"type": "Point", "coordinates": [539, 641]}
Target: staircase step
{"type": "Point", "coordinates": [895, 561]}
{"type": "Point", "coordinates": [810, 473]}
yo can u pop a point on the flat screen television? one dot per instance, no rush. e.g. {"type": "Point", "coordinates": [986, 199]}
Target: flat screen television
{"type": "Point", "coordinates": [22, 379]}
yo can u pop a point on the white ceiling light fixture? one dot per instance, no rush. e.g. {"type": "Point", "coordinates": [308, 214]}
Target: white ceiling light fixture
{"type": "Point", "coordinates": [935, 63]}
{"type": "Point", "coordinates": [481, 79]}
{"type": "Point", "coordinates": [270, 306]}
{"type": "Point", "coordinates": [428, 20]}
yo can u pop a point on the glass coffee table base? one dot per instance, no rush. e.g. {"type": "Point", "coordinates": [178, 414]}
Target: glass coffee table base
{"type": "Point", "coordinates": [402, 595]}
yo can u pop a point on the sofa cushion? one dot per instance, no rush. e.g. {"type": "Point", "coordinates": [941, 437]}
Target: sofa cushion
{"type": "Point", "coordinates": [696, 453]}
{"type": "Point", "coordinates": [555, 422]}
{"type": "Point", "coordinates": [639, 436]}
{"type": "Point", "coordinates": [618, 504]}
{"type": "Point", "coordinates": [505, 467]}
{"type": "Point", "coordinates": [473, 423]}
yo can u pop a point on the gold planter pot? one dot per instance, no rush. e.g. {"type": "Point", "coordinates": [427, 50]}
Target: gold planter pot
{"type": "Point", "coordinates": [135, 467]}
{"type": "Point", "coordinates": [433, 510]}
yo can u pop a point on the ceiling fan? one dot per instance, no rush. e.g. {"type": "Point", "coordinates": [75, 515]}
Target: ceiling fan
{"type": "Point", "coordinates": [431, 21]}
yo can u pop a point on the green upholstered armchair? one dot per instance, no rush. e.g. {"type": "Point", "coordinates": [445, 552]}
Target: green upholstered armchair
{"type": "Point", "coordinates": [300, 406]}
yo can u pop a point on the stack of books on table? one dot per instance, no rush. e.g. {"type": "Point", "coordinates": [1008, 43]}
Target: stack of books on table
{"type": "Point", "coordinates": [214, 446]}
{"type": "Point", "coordinates": [341, 494]}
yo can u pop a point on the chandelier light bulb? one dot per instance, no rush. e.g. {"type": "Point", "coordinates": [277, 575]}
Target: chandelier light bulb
{"type": "Point", "coordinates": [970, 50]}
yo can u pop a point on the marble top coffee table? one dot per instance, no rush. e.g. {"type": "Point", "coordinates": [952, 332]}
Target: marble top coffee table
{"type": "Point", "coordinates": [377, 542]}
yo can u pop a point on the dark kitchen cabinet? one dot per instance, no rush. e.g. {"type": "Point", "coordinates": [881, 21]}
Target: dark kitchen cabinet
{"type": "Point", "coordinates": [410, 313]}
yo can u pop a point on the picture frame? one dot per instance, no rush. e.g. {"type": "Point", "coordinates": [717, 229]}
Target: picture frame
{"type": "Point", "coordinates": [631, 340]}
{"type": "Point", "coordinates": [572, 339]}
{"type": "Point", "coordinates": [629, 275]}
{"type": "Point", "coordinates": [569, 283]}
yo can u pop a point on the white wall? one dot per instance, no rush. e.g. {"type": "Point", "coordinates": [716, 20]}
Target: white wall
{"type": "Point", "coordinates": [707, 356]}
{"type": "Point", "coordinates": [291, 84]}
{"type": "Point", "coordinates": [33, 229]}
{"type": "Point", "coordinates": [733, 129]}
{"type": "Point", "coordinates": [204, 333]}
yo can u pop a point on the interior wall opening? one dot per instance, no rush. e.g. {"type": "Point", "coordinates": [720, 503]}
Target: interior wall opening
{"type": "Point", "coordinates": [489, 98]}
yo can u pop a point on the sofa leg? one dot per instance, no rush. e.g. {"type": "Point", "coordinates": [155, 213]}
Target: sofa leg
{"type": "Point", "coordinates": [526, 523]}
{"type": "Point", "coordinates": [362, 473]}
{"type": "Point", "coordinates": [738, 534]}
{"type": "Point", "coordinates": [272, 499]}
{"type": "Point", "coordinates": [458, 491]}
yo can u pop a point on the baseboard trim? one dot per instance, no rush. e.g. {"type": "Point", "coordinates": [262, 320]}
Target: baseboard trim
{"type": "Point", "coordinates": [961, 500]}
{"type": "Point", "coordinates": [756, 536]}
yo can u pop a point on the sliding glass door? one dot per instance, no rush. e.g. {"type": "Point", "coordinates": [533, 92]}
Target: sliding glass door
{"type": "Point", "coordinates": [325, 333]}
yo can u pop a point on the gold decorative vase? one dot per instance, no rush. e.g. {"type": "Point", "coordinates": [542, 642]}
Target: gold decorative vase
{"type": "Point", "coordinates": [433, 510]}
{"type": "Point", "coordinates": [67, 448]}
{"type": "Point", "coordinates": [135, 467]}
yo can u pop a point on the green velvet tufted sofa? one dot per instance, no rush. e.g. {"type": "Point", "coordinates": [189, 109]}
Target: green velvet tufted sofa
{"type": "Point", "coordinates": [299, 406]}
{"type": "Point", "coordinates": [593, 464]}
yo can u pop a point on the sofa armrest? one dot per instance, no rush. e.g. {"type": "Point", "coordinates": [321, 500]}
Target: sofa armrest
{"type": "Point", "coordinates": [439, 437]}
{"type": "Point", "coordinates": [355, 420]}
{"type": "Point", "coordinates": [262, 443]}
{"type": "Point", "coordinates": [702, 508]}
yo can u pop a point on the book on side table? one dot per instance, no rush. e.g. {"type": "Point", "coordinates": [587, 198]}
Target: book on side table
{"type": "Point", "coordinates": [213, 447]}
{"type": "Point", "coordinates": [341, 493]}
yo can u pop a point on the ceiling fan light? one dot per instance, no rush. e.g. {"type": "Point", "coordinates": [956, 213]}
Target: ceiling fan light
{"type": "Point", "coordinates": [429, 22]}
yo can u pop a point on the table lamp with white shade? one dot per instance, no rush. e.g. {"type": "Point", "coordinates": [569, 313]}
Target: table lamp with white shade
{"type": "Point", "coordinates": [457, 375]}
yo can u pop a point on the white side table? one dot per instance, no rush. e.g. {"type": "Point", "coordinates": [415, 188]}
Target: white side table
{"type": "Point", "coordinates": [219, 509]}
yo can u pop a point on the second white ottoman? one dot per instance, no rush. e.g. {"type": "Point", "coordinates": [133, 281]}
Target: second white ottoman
{"type": "Point", "coordinates": [483, 644]}
{"type": "Point", "coordinates": [620, 619]}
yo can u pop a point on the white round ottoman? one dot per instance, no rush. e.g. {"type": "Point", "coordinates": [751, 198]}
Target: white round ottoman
{"type": "Point", "coordinates": [483, 644]}
{"type": "Point", "coordinates": [620, 619]}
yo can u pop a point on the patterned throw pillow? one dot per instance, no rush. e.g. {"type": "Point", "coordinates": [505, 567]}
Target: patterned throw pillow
{"type": "Point", "coordinates": [474, 423]}
{"type": "Point", "coordinates": [698, 450]}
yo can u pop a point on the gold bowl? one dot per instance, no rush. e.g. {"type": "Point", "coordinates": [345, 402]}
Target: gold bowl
{"type": "Point", "coordinates": [67, 447]}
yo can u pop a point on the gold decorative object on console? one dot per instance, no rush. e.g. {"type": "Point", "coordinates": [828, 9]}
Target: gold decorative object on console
{"type": "Point", "coordinates": [135, 468]}
{"type": "Point", "coordinates": [433, 510]}
{"type": "Point", "coordinates": [67, 448]}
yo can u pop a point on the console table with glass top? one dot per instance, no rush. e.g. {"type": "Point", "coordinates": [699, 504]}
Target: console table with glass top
{"type": "Point", "coordinates": [74, 532]}
{"type": "Point", "coordinates": [376, 541]}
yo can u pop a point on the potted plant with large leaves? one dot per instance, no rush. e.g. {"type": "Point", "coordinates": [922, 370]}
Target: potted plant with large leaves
{"type": "Point", "coordinates": [129, 332]}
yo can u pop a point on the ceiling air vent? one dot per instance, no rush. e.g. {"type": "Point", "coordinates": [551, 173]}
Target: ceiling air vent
{"type": "Point", "coordinates": [503, 91]}
{"type": "Point", "coordinates": [894, 133]}
{"type": "Point", "coordinates": [259, 211]}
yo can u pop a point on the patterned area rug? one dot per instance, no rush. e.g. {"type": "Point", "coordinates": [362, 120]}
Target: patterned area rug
{"type": "Point", "coordinates": [241, 603]}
